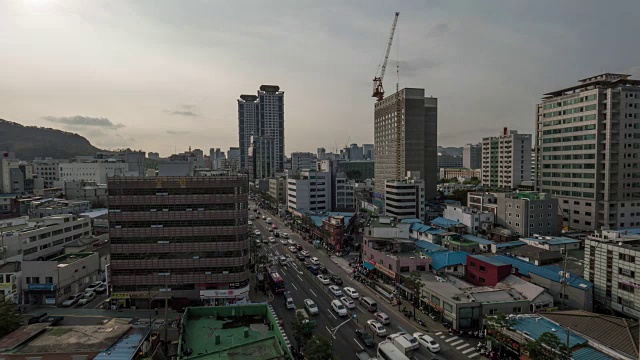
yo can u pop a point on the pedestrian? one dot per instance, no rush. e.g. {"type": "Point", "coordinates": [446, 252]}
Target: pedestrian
{"type": "Point", "coordinates": [156, 311]}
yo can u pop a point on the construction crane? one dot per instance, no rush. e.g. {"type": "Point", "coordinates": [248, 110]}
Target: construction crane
{"type": "Point", "coordinates": [378, 90]}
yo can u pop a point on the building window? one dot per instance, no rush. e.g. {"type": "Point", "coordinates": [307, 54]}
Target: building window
{"type": "Point", "coordinates": [627, 258]}
{"type": "Point", "coordinates": [48, 280]}
{"type": "Point", "coordinates": [517, 310]}
{"type": "Point", "coordinates": [482, 268]}
{"type": "Point", "coordinates": [625, 287]}
{"type": "Point", "coordinates": [493, 311]}
{"type": "Point", "coordinates": [481, 279]}
{"type": "Point", "coordinates": [472, 264]}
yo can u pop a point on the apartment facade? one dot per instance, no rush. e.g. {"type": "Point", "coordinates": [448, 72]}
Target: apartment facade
{"type": "Point", "coordinates": [278, 189]}
{"type": "Point", "coordinates": [92, 170]}
{"type": "Point", "coordinates": [303, 161]}
{"type": "Point", "coordinates": [446, 161]}
{"type": "Point", "coordinates": [417, 141]}
{"type": "Point", "coordinates": [460, 173]}
{"type": "Point", "coordinates": [262, 158]}
{"type": "Point", "coordinates": [91, 191]}
{"type": "Point", "coordinates": [588, 137]}
{"type": "Point", "coordinates": [48, 169]}
{"type": "Point", "coordinates": [475, 220]}
{"type": "Point", "coordinates": [344, 193]}
{"type": "Point", "coordinates": [248, 106]}
{"type": "Point", "coordinates": [528, 213]}
{"type": "Point", "coordinates": [184, 237]}
{"type": "Point", "coordinates": [506, 160]}
{"type": "Point", "coordinates": [311, 191]}
{"type": "Point", "coordinates": [405, 199]}
{"type": "Point", "coordinates": [611, 264]}
{"type": "Point", "coordinates": [472, 156]}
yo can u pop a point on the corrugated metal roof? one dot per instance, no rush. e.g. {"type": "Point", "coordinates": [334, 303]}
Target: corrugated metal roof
{"type": "Point", "coordinates": [489, 260]}
{"type": "Point", "coordinates": [444, 222]}
{"type": "Point", "coordinates": [477, 239]}
{"type": "Point", "coordinates": [525, 268]}
{"type": "Point", "coordinates": [443, 259]}
{"type": "Point", "coordinates": [589, 353]}
{"type": "Point", "coordinates": [411, 221]}
{"type": "Point", "coordinates": [428, 246]}
{"type": "Point", "coordinates": [536, 326]}
{"type": "Point", "coordinates": [127, 346]}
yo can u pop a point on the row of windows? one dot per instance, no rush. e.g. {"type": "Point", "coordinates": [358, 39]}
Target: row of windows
{"type": "Point", "coordinates": [569, 148]}
{"type": "Point", "coordinates": [567, 102]}
{"type": "Point", "coordinates": [569, 157]}
{"type": "Point", "coordinates": [569, 138]}
{"type": "Point", "coordinates": [569, 184]}
{"type": "Point", "coordinates": [176, 223]}
{"type": "Point", "coordinates": [588, 195]}
{"type": "Point", "coordinates": [174, 207]}
{"type": "Point", "coordinates": [34, 249]}
{"type": "Point", "coordinates": [179, 239]}
{"type": "Point", "coordinates": [570, 111]}
{"type": "Point", "coordinates": [569, 175]}
{"type": "Point", "coordinates": [570, 120]}
{"type": "Point", "coordinates": [179, 255]}
{"type": "Point", "coordinates": [180, 191]}
{"type": "Point", "coordinates": [178, 271]}
{"type": "Point", "coordinates": [569, 129]}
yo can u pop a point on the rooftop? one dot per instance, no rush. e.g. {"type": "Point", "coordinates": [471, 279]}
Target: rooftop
{"type": "Point", "coordinates": [526, 268]}
{"type": "Point", "coordinates": [553, 240]}
{"type": "Point", "coordinates": [443, 259]}
{"type": "Point", "coordinates": [478, 239]}
{"type": "Point", "coordinates": [95, 213]}
{"type": "Point", "coordinates": [127, 346]}
{"type": "Point", "coordinates": [535, 326]}
{"type": "Point", "coordinates": [429, 246]}
{"type": "Point", "coordinates": [317, 217]}
{"type": "Point", "coordinates": [510, 244]}
{"type": "Point", "coordinates": [444, 223]}
{"type": "Point", "coordinates": [66, 259]}
{"type": "Point", "coordinates": [13, 266]}
{"type": "Point", "coordinates": [232, 332]}
{"type": "Point", "coordinates": [488, 260]}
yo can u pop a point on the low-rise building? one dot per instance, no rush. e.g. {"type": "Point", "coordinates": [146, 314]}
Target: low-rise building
{"type": "Point", "coordinates": [10, 282]}
{"type": "Point", "coordinates": [48, 169]}
{"type": "Point", "coordinates": [535, 255]}
{"type": "Point", "coordinates": [393, 256]}
{"type": "Point", "coordinates": [450, 187]}
{"type": "Point", "coordinates": [311, 190]}
{"type": "Point", "coordinates": [92, 170]}
{"type": "Point", "coordinates": [455, 242]}
{"type": "Point", "coordinates": [460, 173]}
{"type": "Point", "coordinates": [485, 271]}
{"type": "Point", "coordinates": [387, 227]}
{"type": "Point", "coordinates": [475, 220]}
{"type": "Point", "coordinates": [86, 190]}
{"type": "Point", "coordinates": [47, 207]}
{"type": "Point", "coordinates": [50, 282]}
{"type": "Point", "coordinates": [558, 244]}
{"type": "Point", "coordinates": [335, 226]}
{"type": "Point", "coordinates": [278, 189]}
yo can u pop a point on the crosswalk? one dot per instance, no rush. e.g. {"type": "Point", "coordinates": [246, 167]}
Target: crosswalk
{"type": "Point", "coordinates": [459, 344]}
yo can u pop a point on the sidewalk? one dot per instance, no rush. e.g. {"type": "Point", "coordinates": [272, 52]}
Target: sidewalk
{"type": "Point", "coordinates": [343, 263]}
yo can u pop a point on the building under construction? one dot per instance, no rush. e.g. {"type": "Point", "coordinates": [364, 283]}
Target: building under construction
{"type": "Point", "coordinates": [411, 144]}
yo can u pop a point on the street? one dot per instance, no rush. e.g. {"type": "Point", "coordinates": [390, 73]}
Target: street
{"type": "Point", "coordinates": [304, 285]}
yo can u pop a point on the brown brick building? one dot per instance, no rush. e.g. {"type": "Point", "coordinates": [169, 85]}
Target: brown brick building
{"type": "Point", "coordinates": [185, 238]}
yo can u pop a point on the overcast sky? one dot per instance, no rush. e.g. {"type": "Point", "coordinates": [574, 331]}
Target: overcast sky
{"type": "Point", "coordinates": [160, 75]}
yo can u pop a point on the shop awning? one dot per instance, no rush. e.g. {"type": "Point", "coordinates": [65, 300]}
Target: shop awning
{"type": "Point", "coordinates": [368, 265]}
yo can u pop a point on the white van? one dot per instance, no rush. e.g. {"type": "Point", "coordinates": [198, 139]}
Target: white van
{"type": "Point", "coordinates": [369, 303]}
{"type": "Point", "coordinates": [402, 344]}
{"type": "Point", "coordinates": [268, 220]}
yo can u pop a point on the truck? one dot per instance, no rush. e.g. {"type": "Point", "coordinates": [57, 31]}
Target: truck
{"type": "Point", "coordinates": [402, 344]}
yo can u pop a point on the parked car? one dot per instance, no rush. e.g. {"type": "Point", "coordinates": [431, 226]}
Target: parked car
{"type": "Point", "coordinates": [264, 217]}
{"type": "Point", "coordinates": [300, 256]}
{"type": "Point", "coordinates": [351, 292]}
{"type": "Point", "coordinates": [72, 300]}
{"type": "Point", "coordinates": [339, 308]}
{"type": "Point", "coordinates": [311, 307]}
{"type": "Point", "coordinates": [381, 317]}
{"type": "Point", "coordinates": [291, 242]}
{"type": "Point", "coordinates": [305, 253]}
{"type": "Point", "coordinates": [285, 235]}
{"type": "Point", "coordinates": [322, 269]}
{"type": "Point", "coordinates": [315, 261]}
{"type": "Point", "coordinates": [323, 279]}
{"type": "Point", "coordinates": [276, 234]}
{"type": "Point", "coordinates": [299, 247]}
{"type": "Point", "coordinates": [282, 260]}
{"type": "Point", "coordinates": [87, 298]}
{"type": "Point", "coordinates": [347, 302]}
{"type": "Point", "coordinates": [377, 328]}
{"type": "Point", "coordinates": [336, 280]}
{"type": "Point", "coordinates": [101, 289]}
{"type": "Point", "coordinates": [283, 241]}
{"type": "Point", "coordinates": [366, 338]}
{"type": "Point", "coordinates": [293, 249]}
{"type": "Point", "coordinates": [408, 337]}
{"type": "Point", "coordinates": [335, 290]}
{"type": "Point", "coordinates": [265, 240]}
{"type": "Point", "coordinates": [427, 342]}
{"type": "Point", "coordinates": [93, 285]}
{"type": "Point", "coordinates": [257, 232]}
{"type": "Point", "coordinates": [272, 239]}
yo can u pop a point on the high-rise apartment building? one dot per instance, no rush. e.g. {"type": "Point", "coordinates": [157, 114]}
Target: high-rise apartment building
{"type": "Point", "coordinates": [367, 150]}
{"type": "Point", "coordinates": [48, 169]}
{"type": "Point", "coordinates": [248, 107]}
{"type": "Point", "coordinates": [506, 160]}
{"type": "Point", "coordinates": [588, 141]}
{"type": "Point", "coordinates": [417, 141]}
{"type": "Point", "coordinates": [262, 158]}
{"type": "Point", "coordinates": [185, 238]}
{"type": "Point", "coordinates": [472, 156]}
{"type": "Point", "coordinates": [405, 198]}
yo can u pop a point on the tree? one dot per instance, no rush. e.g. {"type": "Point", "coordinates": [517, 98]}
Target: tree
{"type": "Point", "coordinates": [459, 195]}
{"type": "Point", "coordinates": [262, 260]}
{"type": "Point", "coordinates": [9, 318]}
{"type": "Point", "coordinates": [301, 332]}
{"type": "Point", "coordinates": [547, 347]}
{"type": "Point", "coordinates": [415, 283]}
{"type": "Point", "coordinates": [496, 327]}
{"type": "Point", "coordinates": [319, 348]}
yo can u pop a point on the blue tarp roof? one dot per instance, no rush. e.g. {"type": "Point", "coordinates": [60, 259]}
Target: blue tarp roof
{"type": "Point", "coordinates": [633, 231]}
{"type": "Point", "coordinates": [419, 227]}
{"type": "Point", "coordinates": [443, 222]}
{"type": "Point", "coordinates": [368, 265]}
{"type": "Point", "coordinates": [510, 244]}
{"type": "Point", "coordinates": [546, 272]}
{"type": "Point", "coordinates": [536, 326]}
{"type": "Point", "coordinates": [429, 246]}
{"type": "Point", "coordinates": [477, 239]}
{"type": "Point", "coordinates": [489, 259]}
{"type": "Point", "coordinates": [411, 221]}
{"type": "Point", "coordinates": [589, 353]}
{"type": "Point", "coordinates": [442, 259]}
{"type": "Point", "coordinates": [127, 346]}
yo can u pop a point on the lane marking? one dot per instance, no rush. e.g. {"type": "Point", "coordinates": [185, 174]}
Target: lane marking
{"type": "Point", "coordinates": [468, 350]}
{"type": "Point", "coordinates": [361, 309]}
{"type": "Point", "coordinates": [354, 339]}
{"type": "Point", "coordinates": [442, 336]}
{"type": "Point", "coordinates": [314, 294]}
{"type": "Point", "coordinates": [294, 286]}
{"type": "Point", "coordinates": [299, 277]}
{"type": "Point", "coordinates": [439, 332]}
{"type": "Point", "coordinates": [462, 346]}
{"type": "Point", "coordinates": [331, 312]}
{"type": "Point", "coordinates": [473, 355]}
{"type": "Point", "coordinates": [451, 339]}
{"type": "Point", "coordinates": [456, 342]}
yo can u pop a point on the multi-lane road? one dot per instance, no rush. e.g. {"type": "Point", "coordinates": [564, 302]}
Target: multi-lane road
{"type": "Point", "coordinates": [302, 284]}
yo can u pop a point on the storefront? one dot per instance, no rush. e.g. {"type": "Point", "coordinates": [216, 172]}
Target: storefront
{"type": "Point", "coordinates": [41, 294]}
{"type": "Point", "coordinates": [120, 300]}
{"type": "Point", "coordinates": [222, 297]}
{"type": "Point", "coordinates": [389, 274]}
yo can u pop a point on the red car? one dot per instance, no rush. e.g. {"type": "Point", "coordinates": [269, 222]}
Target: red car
{"type": "Point", "coordinates": [299, 247]}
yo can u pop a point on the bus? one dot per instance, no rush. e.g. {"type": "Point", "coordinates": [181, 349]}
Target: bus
{"type": "Point", "coordinates": [276, 282]}
{"type": "Point", "coordinates": [388, 351]}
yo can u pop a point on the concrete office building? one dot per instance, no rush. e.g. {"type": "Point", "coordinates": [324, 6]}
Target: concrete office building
{"type": "Point", "coordinates": [611, 262]}
{"type": "Point", "coordinates": [588, 138]}
{"type": "Point", "coordinates": [184, 237]}
{"type": "Point", "coordinates": [278, 189]}
{"type": "Point", "coordinates": [506, 160]}
{"type": "Point", "coordinates": [357, 170]}
{"type": "Point", "coordinates": [86, 190]}
{"type": "Point", "coordinates": [417, 143]}
{"type": "Point", "coordinates": [345, 198]}
{"type": "Point", "coordinates": [472, 156]}
{"type": "Point", "coordinates": [262, 158]}
{"type": "Point", "coordinates": [446, 161]}
{"type": "Point", "coordinates": [367, 152]}
{"type": "Point", "coordinates": [405, 199]}
{"type": "Point", "coordinates": [303, 161]}
{"type": "Point", "coordinates": [460, 174]}
{"type": "Point", "coordinates": [47, 207]}
{"type": "Point", "coordinates": [311, 190]}
{"type": "Point", "coordinates": [233, 160]}
{"type": "Point", "coordinates": [356, 152]}
{"type": "Point", "coordinates": [92, 170]}
{"type": "Point", "coordinates": [475, 220]}
{"type": "Point", "coordinates": [48, 169]}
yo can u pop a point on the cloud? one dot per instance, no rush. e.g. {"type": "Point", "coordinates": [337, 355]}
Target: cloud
{"type": "Point", "coordinates": [414, 67]}
{"type": "Point", "coordinates": [438, 30]}
{"type": "Point", "coordinates": [84, 121]}
{"type": "Point", "coordinates": [184, 110]}
{"type": "Point", "coordinates": [178, 132]}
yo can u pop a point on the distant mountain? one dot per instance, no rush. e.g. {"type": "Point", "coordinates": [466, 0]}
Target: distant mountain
{"type": "Point", "coordinates": [29, 142]}
{"type": "Point", "coordinates": [453, 151]}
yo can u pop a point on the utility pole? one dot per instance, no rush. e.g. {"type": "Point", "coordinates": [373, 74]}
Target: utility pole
{"type": "Point", "coordinates": [564, 276]}
{"type": "Point", "coordinates": [166, 306]}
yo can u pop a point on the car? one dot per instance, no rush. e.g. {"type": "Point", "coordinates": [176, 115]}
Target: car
{"type": "Point", "coordinates": [282, 260]}
{"type": "Point", "coordinates": [336, 280]}
{"type": "Point", "coordinates": [87, 298]}
{"type": "Point", "coordinates": [258, 243]}
{"type": "Point", "coordinates": [306, 253]}
{"type": "Point", "coordinates": [408, 337]}
{"type": "Point", "coordinates": [427, 342]}
{"type": "Point", "coordinates": [335, 290]}
{"type": "Point", "coordinates": [300, 256]}
{"type": "Point", "coordinates": [323, 279]}
{"type": "Point", "coordinates": [291, 242]}
{"type": "Point", "coordinates": [250, 222]}
{"type": "Point", "coordinates": [351, 292]}
{"type": "Point", "coordinates": [339, 308]}
{"type": "Point", "coordinates": [72, 300]}
{"type": "Point", "coordinates": [272, 239]}
{"type": "Point", "coordinates": [101, 289]}
{"type": "Point", "coordinates": [93, 285]}
{"type": "Point", "coordinates": [315, 261]}
{"type": "Point", "coordinates": [376, 327]}
{"type": "Point", "coordinates": [285, 235]}
{"type": "Point", "coordinates": [283, 241]}
{"type": "Point", "coordinates": [293, 249]}
{"type": "Point", "coordinates": [257, 232]}
{"type": "Point", "coordinates": [383, 318]}
{"type": "Point", "coordinates": [298, 246]}
{"type": "Point", "coordinates": [264, 217]}
{"type": "Point", "coordinates": [265, 240]}
{"type": "Point", "coordinates": [366, 338]}
{"type": "Point", "coordinates": [347, 302]}
{"type": "Point", "coordinates": [270, 230]}
{"type": "Point", "coordinates": [322, 269]}
{"type": "Point", "coordinates": [276, 234]}
{"type": "Point", "coordinates": [311, 307]}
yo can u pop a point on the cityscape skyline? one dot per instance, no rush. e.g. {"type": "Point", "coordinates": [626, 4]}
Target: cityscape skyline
{"type": "Point", "coordinates": [137, 105]}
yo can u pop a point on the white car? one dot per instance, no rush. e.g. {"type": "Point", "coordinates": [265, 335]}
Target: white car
{"type": "Point", "coordinates": [264, 217]}
{"type": "Point", "coordinates": [283, 241]}
{"type": "Point", "coordinates": [377, 328]}
{"type": "Point", "coordinates": [265, 240]}
{"type": "Point", "coordinates": [93, 286]}
{"type": "Point", "coordinates": [351, 292]}
{"type": "Point", "coordinates": [347, 302]}
{"type": "Point", "coordinates": [291, 242]}
{"type": "Point", "coordinates": [381, 317]}
{"type": "Point", "coordinates": [427, 342]}
{"type": "Point", "coordinates": [293, 249]}
{"type": "Point", "coordinates": [72, 300]}
{"type": "Point", "coordinates": [409, 338]}
{"type": "Point", "coordinates": [87, 298]}
{"type": "Point", "coordinates": [339, 308]}
{"type": "Point", "coordinates": [306, 253]}
{"type": "Point", "coordinates": [311, 307]}
{"type": "Point", "coordinates": [335, 290]}
{"type": "Point", "coordinates": [257, 232]}
{"type": "Point", "coordinates": [324, 279]}
{"type": "Point", "coordinates": [250, 222]}
{"type": "Point", "coordinates": [315, 261]}
{"type": "Point", "coordinates": [285, 235]}
{"type": "Point", "coordinates": [272, 239]}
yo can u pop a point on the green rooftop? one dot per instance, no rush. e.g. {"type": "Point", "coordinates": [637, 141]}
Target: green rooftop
{"type": "Point", "coordinates": [231, 332]}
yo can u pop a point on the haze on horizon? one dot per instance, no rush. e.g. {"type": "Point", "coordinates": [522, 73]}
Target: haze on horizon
{"type": "Point", "coordinates": [164, 75]}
